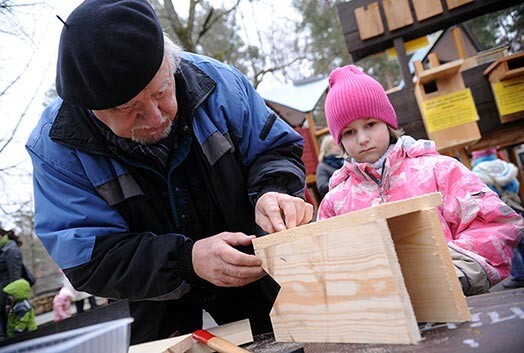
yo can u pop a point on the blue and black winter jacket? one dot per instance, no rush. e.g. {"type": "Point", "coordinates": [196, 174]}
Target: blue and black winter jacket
{"type": "Point", "coordinates": [115, 225]}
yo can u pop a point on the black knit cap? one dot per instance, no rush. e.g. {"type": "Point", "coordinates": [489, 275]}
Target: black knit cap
{"type": "Point", "coordinates": [109, 51]}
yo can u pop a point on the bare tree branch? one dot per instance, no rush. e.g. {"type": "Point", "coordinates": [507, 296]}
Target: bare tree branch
{"type": "Point", "coordinates": [14, 130]}
{"type": "Point", "coordinates": [210, 21]}
{"type": "Point", "coordinates": [261, 73]}
{"type": "Point", "coordinates": [4, 91]}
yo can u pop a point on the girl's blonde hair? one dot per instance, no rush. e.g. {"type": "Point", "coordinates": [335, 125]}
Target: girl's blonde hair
{"type": "Point", "coordinates": [325, 145]}
{"type": "Point", "coordinates": [395, 133]}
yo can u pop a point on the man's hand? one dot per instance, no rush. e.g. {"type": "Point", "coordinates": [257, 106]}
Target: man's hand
{"type": "Point", "coordinates": [275, 212]}
{"type": "Point", "coordinates": [217, 261]}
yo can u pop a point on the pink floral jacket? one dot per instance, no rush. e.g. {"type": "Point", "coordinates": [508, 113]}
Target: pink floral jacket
{"type": "Point", "coordinates": [475, 221]}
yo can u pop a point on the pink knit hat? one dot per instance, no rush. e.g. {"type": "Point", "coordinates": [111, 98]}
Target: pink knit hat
{"type": "Point", "coordinates": [353, 95]}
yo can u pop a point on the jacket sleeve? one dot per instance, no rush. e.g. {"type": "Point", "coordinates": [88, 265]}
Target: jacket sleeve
{"type": "Point", "coordinates": [270, 148]}
{"type": "Point", "coordinates": [322, 177]}
{"type": "Point", "coordinates": [482, 227]}
{"type": "Point", "coordinates": [91, 241]}
{"type": "Point", "coordinates": [325, 209]}
{"type": "Point", "coordinates": [13, 261]}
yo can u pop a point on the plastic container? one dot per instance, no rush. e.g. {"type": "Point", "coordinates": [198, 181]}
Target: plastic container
{"type": "Point", "coordinates": [107, 337]}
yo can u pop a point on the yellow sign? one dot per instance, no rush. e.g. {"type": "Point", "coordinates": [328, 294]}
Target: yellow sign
{"type": "Point", "coordinates": [509, 95]}
{"type": "Point", "coordinates": [450, 110]}
{"type": "Point", "coordinates": [410, 47]}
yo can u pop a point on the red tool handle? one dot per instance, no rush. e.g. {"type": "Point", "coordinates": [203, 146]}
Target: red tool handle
{"type": "Point", "coordinates": [218, 344]}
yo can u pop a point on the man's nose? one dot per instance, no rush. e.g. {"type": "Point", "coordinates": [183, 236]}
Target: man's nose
{"type": "Point", "coordinates": [153, 113]}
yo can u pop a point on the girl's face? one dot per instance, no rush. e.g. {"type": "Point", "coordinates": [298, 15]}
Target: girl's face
{"type": "Point", "coordinates": [366, 139]}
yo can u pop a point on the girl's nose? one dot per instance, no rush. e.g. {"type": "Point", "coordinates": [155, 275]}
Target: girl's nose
{"type": "Point", "coordinates": [362, 138]}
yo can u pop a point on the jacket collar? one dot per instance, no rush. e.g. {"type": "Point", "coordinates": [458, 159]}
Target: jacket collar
{"type": "Point", "coordinates": [74, 127]}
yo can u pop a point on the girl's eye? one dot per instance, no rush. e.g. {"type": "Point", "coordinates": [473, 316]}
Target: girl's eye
{"type": "Point", "coordinates": [371, 124]}
{"type": "Point", "coordinates": [348, 132]}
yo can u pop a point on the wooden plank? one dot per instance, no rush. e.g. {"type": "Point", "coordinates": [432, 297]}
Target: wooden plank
{"type": "Point", "coordinates": [506, 135]}
{"type": "Point", "coordinates": [458, 40]}
{"type": "Point", "coordinates": [503, 61]}
{"type": "Point", "coordinates": [398, 13]}
{"type": "Point", "coordinates": [238, 332]}
{"type": "Point", "coordinates": [178, 344]}
{"type": "Point", "coordinates": [368, 21]}
{"type": "Point", "coordinates": [329, 270]}
{"type": "Point", "coordinates": [366, 215]}
{"type": "Point", "coordinates": [456, 136]}
{"type": "Point", "coordinates": [341, 284]}
{"type": "Point", "coordinates": [359, 48]}
{"type": "Point", "coordinates": [425, 9]}
{"type": "Point", "coordinates": [512, 74]}
{"type": "Point", "coordinates": [428, 271]}
{"type": "Point", "coordinates": [452, 4]}
{"type": "Point", "coordinates": [448, 69]}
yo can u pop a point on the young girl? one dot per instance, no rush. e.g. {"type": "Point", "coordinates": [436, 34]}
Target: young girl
{"type": "Point", "coordinates": [384, 166]}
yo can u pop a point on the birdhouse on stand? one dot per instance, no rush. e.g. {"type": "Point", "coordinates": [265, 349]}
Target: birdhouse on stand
{"type": "Point", "coordinates": [506, 76]}
{"type": "Point", "coordinates": [446, 105]}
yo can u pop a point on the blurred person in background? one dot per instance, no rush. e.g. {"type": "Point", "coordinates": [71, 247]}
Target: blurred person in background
{"type": "Point", "coordinates": [330, 158]}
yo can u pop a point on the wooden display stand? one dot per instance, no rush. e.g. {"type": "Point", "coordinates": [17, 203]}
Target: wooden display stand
{"type": "Point", "coordinates": [506, 76]}
{"type": "Point", "coordinates": [364, 277]}
{"type": "Point", "coordinates": [440, 81]}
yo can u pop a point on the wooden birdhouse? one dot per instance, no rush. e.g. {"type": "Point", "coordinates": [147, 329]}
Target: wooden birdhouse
{"type": "Point", "coordinates": [365, 277]}
{"type": "Point", "coordinates": [506, 76]}
{"type": "Point", "coordinates": [446, 105]}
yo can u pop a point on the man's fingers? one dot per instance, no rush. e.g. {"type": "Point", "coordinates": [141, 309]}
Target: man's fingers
{"type": "Point", "coordinates": [275, 212]}
{"type": "Point", "coordinates": [300, 211]}
{"type": "Point", "coordinates": [264, 223]}
{"type": "Point", "coordinates": [289, 211]}
{"type": "Point", "coordinates": [243, 272]}
{"type": "Point", "coordinates": [308, 215]}
{"type": "Point", "coordinates": [237, 239]}
{"type": "Point", "coordinates": [237, 258]}
{"type": "Point", "coordinates": [275, 217]}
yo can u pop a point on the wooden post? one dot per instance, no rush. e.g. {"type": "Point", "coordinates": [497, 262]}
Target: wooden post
{"type": "Point", "coordinates": [313, 132]}
{"type": "Point", "coordinates": [403, 62]}
{"type": "Point", "coordinates": [458, 39]}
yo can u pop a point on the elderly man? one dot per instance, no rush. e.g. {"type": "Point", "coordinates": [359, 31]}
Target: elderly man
{"type": "Point", "coordinates": [152, 171]}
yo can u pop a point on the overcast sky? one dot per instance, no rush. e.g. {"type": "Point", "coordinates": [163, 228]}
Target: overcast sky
{"type": "Point", "coordinates": [28, 46]}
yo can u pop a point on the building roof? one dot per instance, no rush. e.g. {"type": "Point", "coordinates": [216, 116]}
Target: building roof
{"type": "Point", "coordinates": [293, 101]}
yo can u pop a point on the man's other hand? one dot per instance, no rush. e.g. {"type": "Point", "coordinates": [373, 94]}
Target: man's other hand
{"type": "Point", "coordinates": [217, 261]}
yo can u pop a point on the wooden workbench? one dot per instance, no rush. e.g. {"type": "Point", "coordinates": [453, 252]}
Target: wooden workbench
{"type": "Point", "coordinates": [497, 326]}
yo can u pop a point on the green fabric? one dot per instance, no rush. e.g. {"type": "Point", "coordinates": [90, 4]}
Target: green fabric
{"type": "Point", "coordinates": [16, 326]}
{"type": "Point", "coordinates": [19, 290]}
{"type": "Point", "coordinates": [3, 241]}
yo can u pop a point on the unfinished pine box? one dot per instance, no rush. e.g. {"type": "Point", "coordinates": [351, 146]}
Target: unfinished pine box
{"type": "Point", "coordinates": [363, 277]}
{"type": "Point", "coordinates": [506, 76]}
{"type": "Point", "coordinates": [452, 120]}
